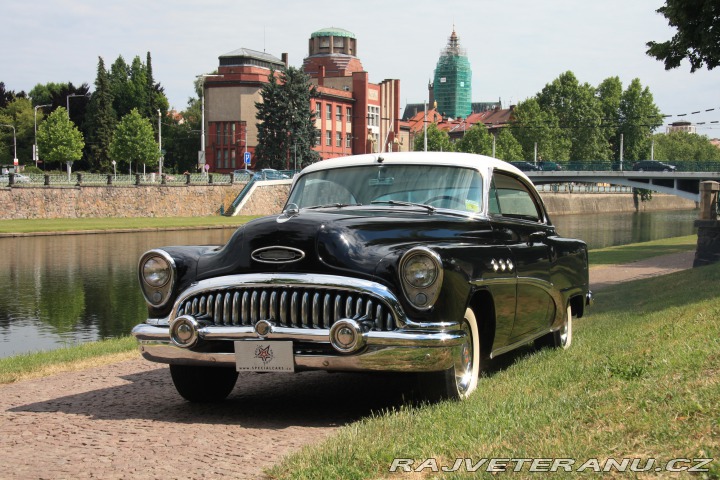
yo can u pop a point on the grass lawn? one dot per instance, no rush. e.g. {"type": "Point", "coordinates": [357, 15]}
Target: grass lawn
{"type": "Point", "coordinates": [641, 380]}
{"type": "Point", "coordinates": [93, 224]}
{"type": "Point", "coordinates": [641, 251]}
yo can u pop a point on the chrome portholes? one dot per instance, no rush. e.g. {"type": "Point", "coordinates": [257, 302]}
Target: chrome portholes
{"type": "Point", "coordinates": [502, 265]}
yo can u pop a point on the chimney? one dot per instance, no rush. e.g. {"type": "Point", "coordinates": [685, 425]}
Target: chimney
{"type": "Point", "coordinates": [284, 58]}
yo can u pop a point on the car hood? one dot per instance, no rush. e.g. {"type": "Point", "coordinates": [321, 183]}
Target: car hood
{"type": "Point", "coordinates": [351, 241]}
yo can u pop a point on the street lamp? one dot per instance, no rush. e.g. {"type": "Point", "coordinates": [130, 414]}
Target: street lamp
{"type": "Point", "coordinates": [201, 154]}
{"type": "Point", "coordinates": [160, 144]}
{"type": "Point", "coordinates": [36, 156]}
{"type": "Point", "coordinates": [15, 159]}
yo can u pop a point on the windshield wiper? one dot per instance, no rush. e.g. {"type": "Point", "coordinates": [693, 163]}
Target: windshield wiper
{"type": "Point", "coordinates": [334, 205]}
{"type": "Point", "coordinates": [429, 208]}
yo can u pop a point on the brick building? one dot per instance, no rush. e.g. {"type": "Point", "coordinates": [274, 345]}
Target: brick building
{"type": "Point", "coordinates": [353, 116]}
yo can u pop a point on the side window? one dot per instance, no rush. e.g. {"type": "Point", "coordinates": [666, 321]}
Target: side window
{"type": "Point", "coordinates": [512, 198]}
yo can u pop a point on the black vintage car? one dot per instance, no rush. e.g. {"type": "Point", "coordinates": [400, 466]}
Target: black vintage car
{"type": "Point", "coordinates": [431, 263]}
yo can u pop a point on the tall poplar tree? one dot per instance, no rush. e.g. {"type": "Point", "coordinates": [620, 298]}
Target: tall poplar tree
{"type": "Point", "coordinates": [286, 124]}
{"type": "Point", "coordinates": [101, 121]}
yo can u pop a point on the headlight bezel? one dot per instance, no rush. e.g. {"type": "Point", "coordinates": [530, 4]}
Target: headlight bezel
{"type": "Point", "coordinates": [157, 294]}
{"type": "Point", "coordinates": [421, 295]}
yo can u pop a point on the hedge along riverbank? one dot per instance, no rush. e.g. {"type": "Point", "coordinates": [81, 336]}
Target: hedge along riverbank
{"type": "Point", "coordinates": [24, 202]}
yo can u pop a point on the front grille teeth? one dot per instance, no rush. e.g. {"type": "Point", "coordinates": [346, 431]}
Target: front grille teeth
{"type": "Point", "coordinates": [288, 307]}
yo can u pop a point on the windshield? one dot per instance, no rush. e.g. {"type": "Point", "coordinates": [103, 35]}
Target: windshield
{"type": "Point", "coordinates": [434, 185]}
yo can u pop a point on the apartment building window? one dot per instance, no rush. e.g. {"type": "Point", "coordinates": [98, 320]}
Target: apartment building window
{"type": "Point", "coordinates": [348, 114]}
{"type": "Point", "coordinates": [328, 138]}
{"type": "Point", "coordinates": [318, 135]}
{"type": "Point", "coordinates": [328, 111]}
{"type": "Point", "coordinates": [338, 113]}
{"type": "Point", "coordinates": [338, 139]}
{"type": "Point", "coordinates": [373, 116]}
{"type": "Point", "coordinates": [348, 140]}
{"type": "Point", "coordinates": [318, 110]}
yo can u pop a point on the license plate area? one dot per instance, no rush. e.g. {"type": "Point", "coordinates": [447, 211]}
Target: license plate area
{"type": "Point", "coordinates": [264, 356]}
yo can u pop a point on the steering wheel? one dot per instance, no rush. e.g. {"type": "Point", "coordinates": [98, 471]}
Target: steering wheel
{"type": "Point", "coordinates": [451, 198]}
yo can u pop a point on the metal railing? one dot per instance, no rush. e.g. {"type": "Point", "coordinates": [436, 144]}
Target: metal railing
{"type": "Point", "coordinates": [98, 179]}
{"type": "Point", "coordinates": [582, 188]}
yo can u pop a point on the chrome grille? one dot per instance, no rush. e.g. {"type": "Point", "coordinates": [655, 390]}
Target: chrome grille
{"type": "Point", "coordinates": [288, 307]}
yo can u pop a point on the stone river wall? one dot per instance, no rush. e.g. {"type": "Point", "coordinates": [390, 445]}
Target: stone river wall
{"type": "Point", "coordinates": [267, 198]}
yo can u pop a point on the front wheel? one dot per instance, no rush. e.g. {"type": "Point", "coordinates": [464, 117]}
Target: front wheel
{"type": "Point", "coordinates": [460, 380]}
{"type": "Point", "coordinates": [203, 384]}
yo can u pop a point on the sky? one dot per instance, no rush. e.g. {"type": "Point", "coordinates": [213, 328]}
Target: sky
{"type": "Point", "coordinates": [515, 47]}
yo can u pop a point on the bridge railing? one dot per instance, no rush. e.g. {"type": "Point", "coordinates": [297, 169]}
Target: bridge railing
{"type": "Point", "coordinates": [581, 188]}
{"type": "Point", "coordinates": [606, 166]}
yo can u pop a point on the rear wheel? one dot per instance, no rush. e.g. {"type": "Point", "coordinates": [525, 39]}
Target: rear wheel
{"type": "Point", "coordinates": [203, 384]}
{"type": "Point", "coordinates": [561, 338]}
{"type": "Point", "coordinates": [460, 380]}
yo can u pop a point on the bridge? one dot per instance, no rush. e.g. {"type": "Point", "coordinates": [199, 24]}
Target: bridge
{"type": "Point", "coordinates": [682, 184]}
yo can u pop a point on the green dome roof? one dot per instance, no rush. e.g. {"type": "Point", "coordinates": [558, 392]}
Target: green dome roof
{"type": "Point", "coordinates": [332, 32]}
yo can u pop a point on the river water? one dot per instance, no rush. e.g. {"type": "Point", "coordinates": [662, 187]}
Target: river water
{"type": "Point", "coordinates": [63, 290]}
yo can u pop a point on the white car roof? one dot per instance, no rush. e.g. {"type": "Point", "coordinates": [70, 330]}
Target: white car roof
{"type": "Point", "coordinates": [466, 160]}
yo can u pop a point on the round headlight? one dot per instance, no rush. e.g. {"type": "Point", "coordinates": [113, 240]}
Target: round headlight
{"type": "Point", "coordinates": [156, 271]}
{"type": "Point", "coordinates": [420, 271]}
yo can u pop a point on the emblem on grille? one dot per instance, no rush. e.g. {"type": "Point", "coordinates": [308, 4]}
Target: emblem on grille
{"type": "Point", "coordinates": [278, 255]}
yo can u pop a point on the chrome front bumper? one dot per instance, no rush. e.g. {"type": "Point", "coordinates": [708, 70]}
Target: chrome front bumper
{"type": "Point", "coordinates": [398, 351]}
{"type": "Point", "coordinates": [335, 323]}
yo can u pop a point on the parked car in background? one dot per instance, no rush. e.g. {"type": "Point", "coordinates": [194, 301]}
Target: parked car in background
{"type": "Point", "coordinates": [525, 166]}
{"type": "Point", "coordinates": [270, 174]}
{"type": "Point", "coordinates": [652, 166]}
{"type": "Point", "coordinates": [417, 262]}
{"type": "Point", "coordinates": [549, 166]}
{"type": "Point", "coordinates": [243, 174]}
{"type": "Point", "coordinates": [18, 178]}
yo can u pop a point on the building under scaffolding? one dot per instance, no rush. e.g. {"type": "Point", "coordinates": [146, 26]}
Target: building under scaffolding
{"type": "Point", "coordinates": [453, 77]}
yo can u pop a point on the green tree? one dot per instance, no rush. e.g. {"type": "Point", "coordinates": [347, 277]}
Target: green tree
{"type": "Point", "coordinates": [101, 121]}
{"type": "Point", "coordinates": [181, 138]}
{"type": "Point", "coordinates": [59, 139]}
{"type": "Point", "coordinates": [134, 142]}
{"type": "Point", "coordinates": [676, 147]}
{"type": "Point", "coordinates": [507, 147]}
{"type": "Point", "coordinates": [19, 114]}
{"type": "Point", "coordinates": [476, 140]}
{"type": "Point", "coordinates": [533, 126]}
{"type": "Point", "coordinates": [122, 96]}
{"type": "Point", "coordinates": [639, 116]}
{"type": "Point", "coordinates": [697, 37]}
{"type": "Point", "coordinates": [286, 124]}
{"type": "Point", "coordinates": [437, 140]}
{"type": "Point", "coordinates": [59, 95]}
{"type": "Point", "coordinates": [579, 114]}
{"type": "Point", "coordinates": [7, 96]}
{"type": "Point", "coordinates": [609, 92]}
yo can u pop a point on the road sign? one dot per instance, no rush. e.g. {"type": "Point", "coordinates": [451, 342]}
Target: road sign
{"type": "Point", "coordinates": [247, 158]}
